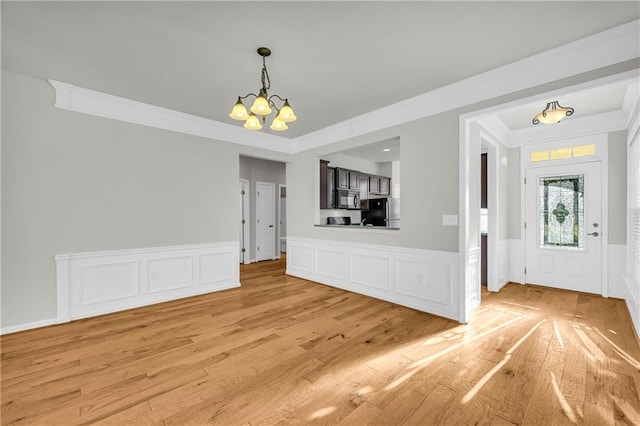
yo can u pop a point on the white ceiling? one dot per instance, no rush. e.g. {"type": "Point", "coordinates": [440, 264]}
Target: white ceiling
{"type": "Point", "coordinates": [333, 60]}
{"type": "Point", "coordinates": [375, 152]}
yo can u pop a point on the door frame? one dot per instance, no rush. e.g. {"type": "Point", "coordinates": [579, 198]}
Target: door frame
{"type": "Point", "coordinates": [273, 214]}
{"type": "Point", "coordinates": [493, 211]}
{"type": "Point", "coordinates": [279, 245]}
{"type": "Point", "coordinates": [245, 214]}
{"type": "Point", "coordinates": [601, 141]}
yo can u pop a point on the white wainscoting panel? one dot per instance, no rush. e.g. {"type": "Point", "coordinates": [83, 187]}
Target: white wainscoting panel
{"type": "Point", "coordinates": [371, 271]}
{"type": "Point", "coordinates": [101, 283]}
{"type": "Point", "coordinates": [169, 273]}
{"type": "Point", "coordinates": [214, 268]}
{"type": "Point", "coordinates": [632, 298]}
{"type": "Point", "coordinates": [97, 283]}
{"type": "Point", "coordinates": [503, 262]}
{"type": "Point", "coordinates": [516, 265]}
{"type": "Point", "coordinates": [426, 280]}
{"type": "Point", "coordinates": [473, 280]}
{"type": "Point", "coordinates": [617, 269]}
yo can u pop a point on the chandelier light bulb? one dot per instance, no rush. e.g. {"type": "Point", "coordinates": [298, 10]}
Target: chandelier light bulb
{"type": "Point", "coordinates": [239, 112]}
{"type": "Point", "coordinates": [278, 125]}
{"type": "Point", "coordinates": [286, 113]}
{"type": "Point", "coordinates": [261, 106]}
{"type": "Point", "coordinates": [252, 123]}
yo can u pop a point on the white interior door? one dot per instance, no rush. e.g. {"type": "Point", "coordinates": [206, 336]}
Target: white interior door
{"type": "Point", "coordinates": [563, 233]}
{"type": "Point", "coordinates": [265, 221]}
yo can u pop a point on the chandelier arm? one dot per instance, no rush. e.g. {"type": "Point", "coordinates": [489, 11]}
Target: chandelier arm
{"type": "Point", "coordinates": [276, 96]}
{"type": "Point", "coordinates": [247, 95]}
{"type": "Point", "coordinates": [274, 106]}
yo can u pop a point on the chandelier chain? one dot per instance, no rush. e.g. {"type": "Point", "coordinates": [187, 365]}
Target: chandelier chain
{"type": "Point", "coordinates": [266, 83]}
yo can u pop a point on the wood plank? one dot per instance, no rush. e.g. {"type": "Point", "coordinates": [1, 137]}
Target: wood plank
{"type": "Point", "coordinates": [283, 350]}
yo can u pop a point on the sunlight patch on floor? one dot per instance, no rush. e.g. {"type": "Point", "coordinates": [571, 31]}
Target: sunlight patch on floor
{"type": "Point", "coordinates": [624, 355]}
{"type": "Point", "coordinates": [558, 335]}
{"type": "Point", "coordinates": [323, 412]}
{"type": "Point", "coordinates": [420, 364]}
{"type": "Point", "coordinates": [476, 388]}
{"type": "Point", "coordinates": [522, 306]}
{"type": "Point", "coordinates": [566, 407]}
{"type": "Point", "coordinates": [594, 353]}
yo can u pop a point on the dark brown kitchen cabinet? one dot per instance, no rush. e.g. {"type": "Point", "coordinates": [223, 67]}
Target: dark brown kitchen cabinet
{"type": "Point", "coordinates": [342, 179]}
{"type": "Point", "coordinates": [385, 184]}
{"type": "Point", "coordinates": [327, 186]}
{"type": "Point", "coordinates": [323, 183]}
{"type": "Point", "coordinates": [347, 179]}
{"type": "Point", "coordinates": [374, 184]}
{"type": "Point", "coordinates": [364, 192]}
{"type": "Point", "coordinates": [331, 188]}
{"type": "Point", "coordinates": [379, 185]}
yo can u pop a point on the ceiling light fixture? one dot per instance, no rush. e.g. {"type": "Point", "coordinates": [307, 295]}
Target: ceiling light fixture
{"type": "Point", "coordinates": [553, 113]}
{"type": "Point", "coordinates": [386, 149]}
{"type": "Point", "coordinates": [263, 105]}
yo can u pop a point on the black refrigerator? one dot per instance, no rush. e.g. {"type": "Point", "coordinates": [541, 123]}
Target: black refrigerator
{"type": "Point", "coordinates": [382, 212]}
{"type": "Point", "coordinates": [377, 212]}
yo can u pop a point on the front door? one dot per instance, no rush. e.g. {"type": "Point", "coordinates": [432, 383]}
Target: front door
{"type": "Point", "coordinates": [563, 211]}
{"type": "Point", "coordinates": [265, 221]}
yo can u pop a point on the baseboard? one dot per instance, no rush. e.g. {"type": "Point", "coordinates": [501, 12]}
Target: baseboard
{"type": "Point", "coordinates": [29, 326]}
{"type": "Point", "coordinates": [426, 280]}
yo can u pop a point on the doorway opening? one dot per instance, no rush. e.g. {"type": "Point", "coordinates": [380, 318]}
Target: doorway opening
{"type": "Point", "coordinates": [262, 230]}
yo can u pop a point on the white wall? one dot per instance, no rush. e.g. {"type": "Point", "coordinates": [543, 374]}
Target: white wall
{"type": "Point", "coordinates": [77, 183]}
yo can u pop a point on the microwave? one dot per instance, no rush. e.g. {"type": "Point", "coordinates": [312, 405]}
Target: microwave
{"type": "Point", "coordinates": [349, 200]}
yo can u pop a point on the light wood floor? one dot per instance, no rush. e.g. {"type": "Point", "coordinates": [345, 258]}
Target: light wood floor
{"type": "Point", "coordinates": [282, 350]}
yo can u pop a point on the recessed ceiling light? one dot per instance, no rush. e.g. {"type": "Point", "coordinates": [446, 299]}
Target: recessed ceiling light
{"type": "Point", "coordinates": [386, 149]}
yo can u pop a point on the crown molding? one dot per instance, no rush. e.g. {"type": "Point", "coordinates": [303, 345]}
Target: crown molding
{"type": "Point", "coordinates": [606, 48]}
{"type": "Point", "coordinates": [86, 101]}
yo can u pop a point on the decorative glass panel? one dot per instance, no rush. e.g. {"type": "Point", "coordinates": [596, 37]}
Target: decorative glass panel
{"type": "Point", "coordinates": [562, 211]}
{"type": "Point", "coordinates": [560, 153]}
{"type": "Point", "coordinates": [539, 156]}
{"type": "Point", "coordinates": [584, 150]}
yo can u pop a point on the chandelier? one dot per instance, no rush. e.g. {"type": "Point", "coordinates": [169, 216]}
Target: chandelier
{"type": "Point", "coordinates": [263, 105]}
{"type": "Point", "coordinates": [553, 113]}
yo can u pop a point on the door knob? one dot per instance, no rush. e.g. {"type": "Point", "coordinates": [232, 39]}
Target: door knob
{"type": "Point", "coordinates": [595, 234]}
{"type": "Point", "coordinates": [271, 226]}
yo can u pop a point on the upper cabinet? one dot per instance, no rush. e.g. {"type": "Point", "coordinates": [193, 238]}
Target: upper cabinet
{"type": "Point", "coordinates": [379, 185]}
{"type": "Point", "coordinates": [327, 186]}
{"type": "Point", "coordinates": [347, 179]}
{"type": "Point", "coordinates": [385, 186]}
